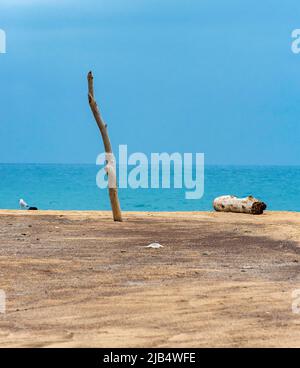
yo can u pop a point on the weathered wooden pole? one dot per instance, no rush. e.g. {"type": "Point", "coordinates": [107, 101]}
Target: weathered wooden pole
{"type": "Point", "coordinates": [110, 168]}
{"type": "Point", "coordinates": [231, 203]}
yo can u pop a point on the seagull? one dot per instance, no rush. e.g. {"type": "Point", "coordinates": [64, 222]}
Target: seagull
{"type": "Point", "coordinates": [25, 206]}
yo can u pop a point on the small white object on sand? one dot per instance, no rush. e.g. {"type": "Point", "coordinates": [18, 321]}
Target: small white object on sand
{"type": "Point", "coordinates": [23, 204]}
{"type": "Point", "coordinates": [154, 245]}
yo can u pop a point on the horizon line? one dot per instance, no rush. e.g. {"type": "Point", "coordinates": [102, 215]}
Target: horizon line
{"type": "Point", "coordinates": [90, 163]}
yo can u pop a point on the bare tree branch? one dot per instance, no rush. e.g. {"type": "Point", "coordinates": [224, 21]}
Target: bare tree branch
{"type": "Point", "coordinates": [110, 168]}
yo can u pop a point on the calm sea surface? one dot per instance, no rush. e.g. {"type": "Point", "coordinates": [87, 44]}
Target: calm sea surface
{"type": "Point", "coordinates": [67, 187]}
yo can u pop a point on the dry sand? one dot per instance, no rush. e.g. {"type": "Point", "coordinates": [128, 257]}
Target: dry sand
{"type": "Point", "coordinates": [77, 279]}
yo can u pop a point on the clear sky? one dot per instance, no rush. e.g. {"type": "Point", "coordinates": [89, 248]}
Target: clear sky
{"type": "Point", "coordinates": [208, 76]}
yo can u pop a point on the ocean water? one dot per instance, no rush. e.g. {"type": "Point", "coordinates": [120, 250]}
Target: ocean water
{"type": "Point", "coordinates": [73, 187]}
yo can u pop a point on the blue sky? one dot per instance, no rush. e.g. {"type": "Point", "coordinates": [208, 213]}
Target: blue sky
{"type": "Point", "coordinates": [206, 76]}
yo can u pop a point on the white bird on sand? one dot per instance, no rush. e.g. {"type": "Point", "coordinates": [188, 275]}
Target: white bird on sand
{"type": "Point", "coordinates": [23, 204]}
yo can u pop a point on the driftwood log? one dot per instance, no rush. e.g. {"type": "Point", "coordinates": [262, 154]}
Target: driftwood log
{"type": "Point", "coordinates": [110, 167]}
{"type": "Point", "coordinates": [231, 203]}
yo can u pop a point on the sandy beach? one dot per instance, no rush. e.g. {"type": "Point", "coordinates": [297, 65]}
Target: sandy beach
{"type": "Point", "coordinates": [77, 279]}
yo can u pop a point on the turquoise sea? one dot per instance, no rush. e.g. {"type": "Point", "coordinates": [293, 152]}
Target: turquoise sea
{"type": "Point", "coordinates": [66, 187]}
